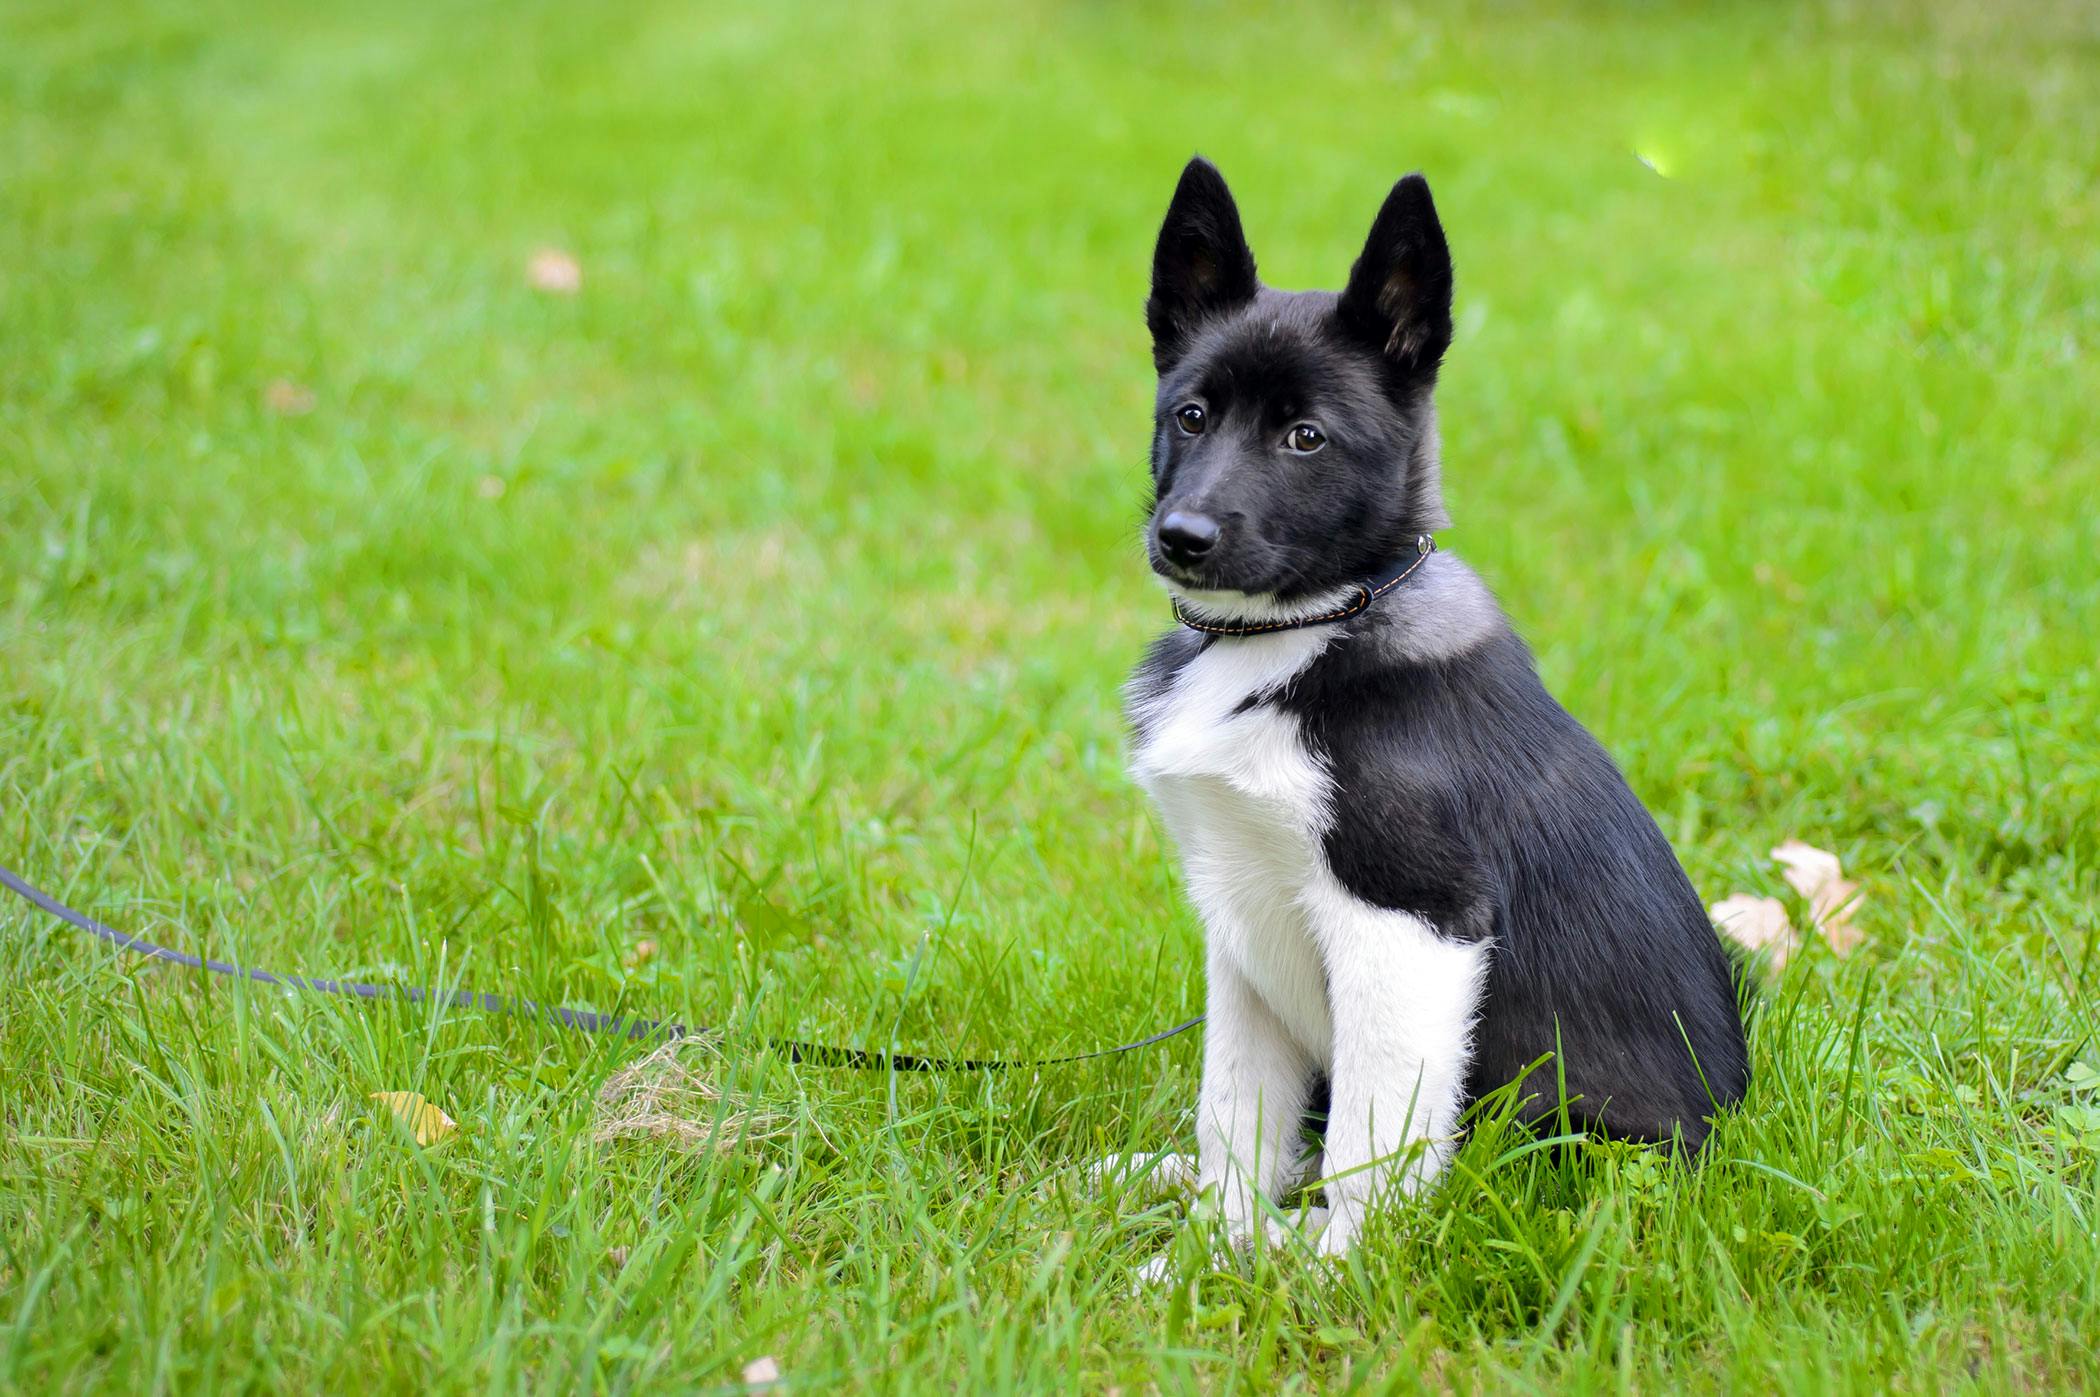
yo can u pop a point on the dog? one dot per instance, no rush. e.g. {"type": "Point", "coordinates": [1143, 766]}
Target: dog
{"type": "Point", "coordinates": [1418, 876]}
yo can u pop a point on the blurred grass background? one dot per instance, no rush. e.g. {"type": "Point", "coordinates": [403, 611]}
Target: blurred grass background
{"type": "Point", "coordinates": [739, 636]}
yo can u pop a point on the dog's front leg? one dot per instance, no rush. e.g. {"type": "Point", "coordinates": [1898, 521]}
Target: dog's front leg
{"type": "Point", "coordinates": [1256, 1078]}
{"type": "Point", "coordinates": [1403, 1001]}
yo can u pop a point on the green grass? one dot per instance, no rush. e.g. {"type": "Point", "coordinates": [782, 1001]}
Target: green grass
{"type": "Point", "coordinates": [766, 604]}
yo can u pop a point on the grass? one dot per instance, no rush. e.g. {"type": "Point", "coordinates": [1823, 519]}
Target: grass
{"type": "Point", "coordinates": [739, 639]}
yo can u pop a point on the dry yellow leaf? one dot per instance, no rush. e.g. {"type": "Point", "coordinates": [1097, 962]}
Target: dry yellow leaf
{"type": "Point", "coordinates": [419, 1114]}
{"type": "Point", "coordinates": [1756, 924]}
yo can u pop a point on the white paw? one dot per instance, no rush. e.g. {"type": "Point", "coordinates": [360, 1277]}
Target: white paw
{"type": "Point", "coordinates": [1153, 1274]}
{"type": "Point", "coordinates": [1155, 1175]}
{"type": "Point", "coordinates": [1337, 1237]}
{"type": "Point", "coordinates": [1296, 1230]}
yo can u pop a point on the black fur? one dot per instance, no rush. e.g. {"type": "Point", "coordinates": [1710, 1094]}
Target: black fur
{"type": "Point", "coordinates": [1464, 793]}
{"type": "Point", "coordinates": [1467, 795]}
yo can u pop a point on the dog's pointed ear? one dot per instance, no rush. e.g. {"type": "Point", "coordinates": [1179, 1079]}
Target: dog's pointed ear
{"type": "Point", "coordinates": [1399, 292]}
{"type": "Point", "coordinates": [1202, 265]}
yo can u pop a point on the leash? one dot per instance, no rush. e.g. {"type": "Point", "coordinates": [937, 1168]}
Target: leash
{"type": "Point", "coordinates": [581, 1020]}
{"type": "Point", "coordinates": [1368, 590]}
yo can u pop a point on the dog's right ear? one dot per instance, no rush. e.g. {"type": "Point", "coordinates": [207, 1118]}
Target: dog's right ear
{"type": "Point", "coordinates": [1202, 265]}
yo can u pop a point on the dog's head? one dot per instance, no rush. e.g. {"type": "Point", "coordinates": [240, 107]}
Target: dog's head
{"type": "Point", "coordinates": [1294, 444]}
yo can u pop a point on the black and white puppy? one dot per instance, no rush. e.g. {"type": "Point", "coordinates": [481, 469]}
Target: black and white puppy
{"type": "Point", "coordinates": [1417, 874]}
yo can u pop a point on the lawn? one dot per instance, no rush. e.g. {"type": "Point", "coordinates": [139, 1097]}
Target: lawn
{"type": "Point", "coordinates": [736, 636]}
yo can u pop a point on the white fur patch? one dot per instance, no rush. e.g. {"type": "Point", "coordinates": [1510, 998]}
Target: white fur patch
{"type": "Point", "coordinates": [1302, 974]}
{"type": "Point", "coordinates": [1403, 1000]}
{"type": "Point", "coordinates": [1246, 801]}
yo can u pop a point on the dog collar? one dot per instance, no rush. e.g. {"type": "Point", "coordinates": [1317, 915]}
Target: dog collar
{"type": "Point", "coordinates": [1368, 590]}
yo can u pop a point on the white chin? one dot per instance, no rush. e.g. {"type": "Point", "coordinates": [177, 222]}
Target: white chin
{"type": "Point", "coordinates": [1244, 608]}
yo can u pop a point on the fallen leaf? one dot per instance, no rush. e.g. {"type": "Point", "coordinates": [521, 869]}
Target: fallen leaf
{"type": "Point", "coordinates": [1757, 924]}
{"type": "Point", "coordinates": [554, 271]}
{"type": "Point", "coordinates": [421, 1116]}
{"type": "Point", "coordinates": [1832, 898]}
{"type": "Point", "coordinates": [288, 399]}
{"type": "Point", "coordinates": [762, 1372]}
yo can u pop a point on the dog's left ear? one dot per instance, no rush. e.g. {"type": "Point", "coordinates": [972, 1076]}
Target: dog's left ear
{"type": "Point", "coordinates": [1399, 292]}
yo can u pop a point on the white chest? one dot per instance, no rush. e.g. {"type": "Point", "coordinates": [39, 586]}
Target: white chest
{"type": "Point", "coordinates": [1247, 804]}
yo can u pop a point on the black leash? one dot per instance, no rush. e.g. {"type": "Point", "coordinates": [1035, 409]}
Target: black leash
{"type": "Point", "coordinates": [1368, 590]}
{"type": "Point", "coordinates": [582, 1020]}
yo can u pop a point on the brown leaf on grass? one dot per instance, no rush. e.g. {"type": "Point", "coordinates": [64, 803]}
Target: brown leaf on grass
{"type": "Point", "coordinates": [1832, 898]}
{"type": "Point", "coordinates": [420, 1115]}
{"type": "Point", "coordinates": [665, 1097]}
{"type": "Point", "coordinates": [554, 271]}
{"type": "Point", "coordinates": [1757, 924]}
{"type": "Point", "coordinates": [1760, 923]}
{"type": "Point", "coordinates": [288, 399]}
{"type": "Point", "coordinates": [762, 1372]}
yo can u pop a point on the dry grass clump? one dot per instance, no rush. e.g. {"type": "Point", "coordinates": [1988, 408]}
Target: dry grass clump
{"type": "Point", "coordinates": [671, 1096]}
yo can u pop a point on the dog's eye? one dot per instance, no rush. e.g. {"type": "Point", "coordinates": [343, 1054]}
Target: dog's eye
{"type": "Point", "coordinates": [1305, 439]}
{"type": "Point", "coordinates": [1191, 419]}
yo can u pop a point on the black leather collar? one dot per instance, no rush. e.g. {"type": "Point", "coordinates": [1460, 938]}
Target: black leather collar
{"type": "Point", "coordinates": [1368, 590]}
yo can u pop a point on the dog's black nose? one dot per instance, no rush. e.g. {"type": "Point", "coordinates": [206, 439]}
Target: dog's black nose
{"type": "Point", "coordinates": [1184, 538]}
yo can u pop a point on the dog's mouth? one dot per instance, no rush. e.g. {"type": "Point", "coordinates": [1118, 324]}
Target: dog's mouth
{"type": "Point", "coordinates": [1214, 577]}
{"type": "Point", "coordinates": [1238, 605]}
{"type": "Point", "coordinates": [1177, 575]}
{"type": "Point", "coordinates": [1214, 590]}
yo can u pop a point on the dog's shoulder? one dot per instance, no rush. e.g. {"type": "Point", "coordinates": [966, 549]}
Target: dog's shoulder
{"type": "Point", "coordinates": [1153, 679]}
{"type": "Point", "coordinates": [1444, 742]}
{"type": "Point", "coordinates": [1438, 705]}
{"type": "Point", "coordinates": [1203, 707]}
